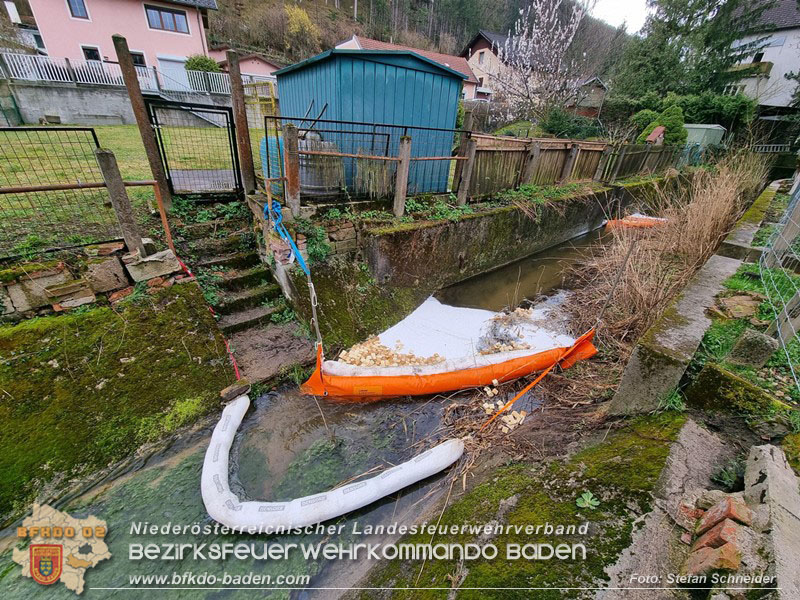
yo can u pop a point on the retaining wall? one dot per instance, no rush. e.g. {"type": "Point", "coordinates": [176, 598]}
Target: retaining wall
{"type": "Point", "coordinates": [80, 104]}
{"type": "Point", "coordinates": [379, 274]}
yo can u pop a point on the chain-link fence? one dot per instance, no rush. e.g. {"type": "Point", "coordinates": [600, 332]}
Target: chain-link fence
{"type": "Point", "coordinates": [33, 215]}
{"type": "Point", "coordinates": [778, 268]}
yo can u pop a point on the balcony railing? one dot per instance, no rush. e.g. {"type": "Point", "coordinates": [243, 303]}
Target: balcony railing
{"type": "Point", "coordinates": [32, 67]}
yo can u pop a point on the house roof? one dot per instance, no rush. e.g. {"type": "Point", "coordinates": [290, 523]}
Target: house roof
{"type": "Point", "coordinates": [656, 133]}
{"type": "Point", "coordinates": [783, 14]}
{"type": "Point", "coordinates": [210, 4]}
{"type": "Point", "coordinates": [457, 63]}
{"type": "Point", "coordinates": [255, 55]}
{"type": "Point", "coordinates": [494, 39]}
{"type": "Point", "coordinates": [342, 51]}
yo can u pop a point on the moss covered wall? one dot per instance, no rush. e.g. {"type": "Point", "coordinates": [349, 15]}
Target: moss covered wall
{"type": "Point", "coordinates": [439, 253]}
{"type": "Point", "coordinates": [403, 263]}
{"type": "Point", "coordinates": [82, 390]}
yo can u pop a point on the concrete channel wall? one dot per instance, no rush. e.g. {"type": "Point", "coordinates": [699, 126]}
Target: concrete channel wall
{"type": "Point", "coordinates": [662, 355]}
{"type": "Point", "coordinates": [384, 272]}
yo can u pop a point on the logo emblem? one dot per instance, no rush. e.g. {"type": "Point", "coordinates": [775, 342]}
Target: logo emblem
{"type": "Point", "coordinates": [46, 562]}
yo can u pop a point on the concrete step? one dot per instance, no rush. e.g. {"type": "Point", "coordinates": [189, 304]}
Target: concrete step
{"type": "Point", "coordinates": [208, 229]}
{"type": "Point", "coordinates": [240, 279]}
{"type": "Point", "coordinates": [238, 301]}
{"type": "Point", "coordinates": [212, 247]}
{"type": "Point", "coordinates": [233, 260]}
{"type": "Point", "coordinates": [251, 317]}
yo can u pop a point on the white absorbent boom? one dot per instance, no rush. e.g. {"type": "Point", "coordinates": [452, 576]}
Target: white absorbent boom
{"type": "Point", "coordinates": [226, 508]}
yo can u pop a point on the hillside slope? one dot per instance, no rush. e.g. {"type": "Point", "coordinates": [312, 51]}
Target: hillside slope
{"type": "Point", "coordinates": [289, 31]}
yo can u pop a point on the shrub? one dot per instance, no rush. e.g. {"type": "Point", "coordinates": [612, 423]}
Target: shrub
{"type": "Point", "coordinates": [302, 35]}
{"type": "Point", "coordinates": [198, 62]}
{"type": "Point", "coordinates": [672, 121]}
{"type": "Point", "coordinates": [732, 112]}
{"type": "Point", "coordinates": [643, 118]}
{"type": "Point", "coordinates": [565, 124]}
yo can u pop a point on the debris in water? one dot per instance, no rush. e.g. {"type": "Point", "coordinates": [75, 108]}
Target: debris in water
{"type": "Point", "coordinates": [374, 354]}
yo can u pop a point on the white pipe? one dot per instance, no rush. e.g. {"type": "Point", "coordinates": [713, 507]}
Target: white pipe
{"type": "Point", "coordinates": [224, 506]}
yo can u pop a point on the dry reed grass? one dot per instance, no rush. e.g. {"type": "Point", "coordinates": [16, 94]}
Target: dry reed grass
{"type": "Point", "coordinates": [664, 258]}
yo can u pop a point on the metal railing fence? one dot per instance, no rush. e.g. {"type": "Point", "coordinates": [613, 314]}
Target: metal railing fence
{"type": "Point", "coordinates": [34, 218]}
{"type": "Point", "coordinates": [34, 67]}
{"type": "Point", "coordinates": [358, 159]}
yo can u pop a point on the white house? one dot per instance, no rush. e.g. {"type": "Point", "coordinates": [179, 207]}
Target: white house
{"type": "Point", "coordinates": [780, 55]}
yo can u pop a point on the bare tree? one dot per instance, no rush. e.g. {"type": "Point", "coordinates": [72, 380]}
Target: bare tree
{"type": "Point", "coordinates": [536, 68]}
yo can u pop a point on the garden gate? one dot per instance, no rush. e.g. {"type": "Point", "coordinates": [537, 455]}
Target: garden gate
{"type": "Point", "coordinates": [197, 143]}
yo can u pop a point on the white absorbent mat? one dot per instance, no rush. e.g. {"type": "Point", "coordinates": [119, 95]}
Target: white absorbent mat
{"type": "Point", "coordinates": [454, 333]}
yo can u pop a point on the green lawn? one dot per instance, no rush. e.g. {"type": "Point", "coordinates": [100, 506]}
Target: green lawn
{"type": "Point", "coordinates": [43, 219]}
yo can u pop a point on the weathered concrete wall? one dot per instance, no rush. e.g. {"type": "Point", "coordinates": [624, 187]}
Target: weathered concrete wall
{"type": "Point", "coordinates": [663, 353]}
{"type": "Point", "coordinates": [665, 350]}
{"type": "Point", "coordinates": [738, 243]}
{"type": "Point", "coordinates": [80, 104]}
{"type": "Point", "coordinates": [379, 275]}
{"type": "Point", "coordinates": [440, 253]}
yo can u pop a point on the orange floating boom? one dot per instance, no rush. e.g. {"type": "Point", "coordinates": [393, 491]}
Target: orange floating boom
{"type": "Point", "coordinates": [371, 387]}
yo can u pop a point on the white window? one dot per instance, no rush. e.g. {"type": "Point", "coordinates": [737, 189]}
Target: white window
{"type": "Point", "coordinates": [480, 57]}
{"type": "Point", "coordinates": [13, 13]}
{"type": "Point", "coordinates": [166, 19]}
{"type": "Point", "coordinates": [77, 8]}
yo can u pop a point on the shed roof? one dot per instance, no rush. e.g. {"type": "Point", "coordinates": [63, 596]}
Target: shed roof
{"type": "Point", "coordinates": [656, 133]}
{"type": "Point", "coordinates": [703, 126]}
{"type": "Point", "coordinates": [337, 51]}
{"type": "Point", "coordinates": [457, 63]}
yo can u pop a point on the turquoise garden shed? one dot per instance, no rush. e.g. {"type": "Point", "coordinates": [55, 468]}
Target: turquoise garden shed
{"type": "Point", "coordinates": [364, 101]}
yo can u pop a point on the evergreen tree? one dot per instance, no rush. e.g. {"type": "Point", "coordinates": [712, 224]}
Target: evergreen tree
{"type": "Point", "coordinates": [671, 119]}
{"type": "Point", "coordinates": [689, 46]}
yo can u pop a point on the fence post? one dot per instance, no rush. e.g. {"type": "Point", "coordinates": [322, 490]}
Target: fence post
{"type": "Point", "coordinates": [240, 119]}
{"type": "Point", "coordinates": [120, 201]}
{"type": "Point", "coordinates": [292, 168]}
{"type": "Point", "coordinates": [602, 164]}
{"type": "Point", "coordinates": [531, 163]}
{"type": "Point", "coordinates": [462, 147]}
{"type": "Point", "coordinates": [463, 190]}
{"type": "Point", "coordinates": [618, 165]}
{"type": "Point", "coordinates": [71, 71]}
{"type": "Point", "coordinates": [142, 120]}
{"type": "Point", "coordinates": [569, 164]}
{"type": "Point", "coordinates": [787, 321]}
{"type": "Point", "coordinates": [401, 183]}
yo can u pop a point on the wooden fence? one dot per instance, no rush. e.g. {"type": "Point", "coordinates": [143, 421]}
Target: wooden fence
{"type": "Point", "coordinates": [502, 163]}
{"type": "Point", "coordinates": [405, 160]}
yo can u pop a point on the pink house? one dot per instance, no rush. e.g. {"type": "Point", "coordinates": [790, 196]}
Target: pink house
{"type": "Point", "coordinates": [160, 33]}
{"type": "Point", "coordinates": [249, 64]}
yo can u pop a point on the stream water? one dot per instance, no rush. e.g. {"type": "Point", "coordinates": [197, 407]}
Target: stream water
{"type": "Point", "coordinates": [528, 277]}
{"type": "Point", "coordinates": [289, 446]}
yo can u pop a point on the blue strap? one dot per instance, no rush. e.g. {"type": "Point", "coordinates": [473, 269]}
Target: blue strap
{"type": "Point", "coordinates": [277, 225]}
